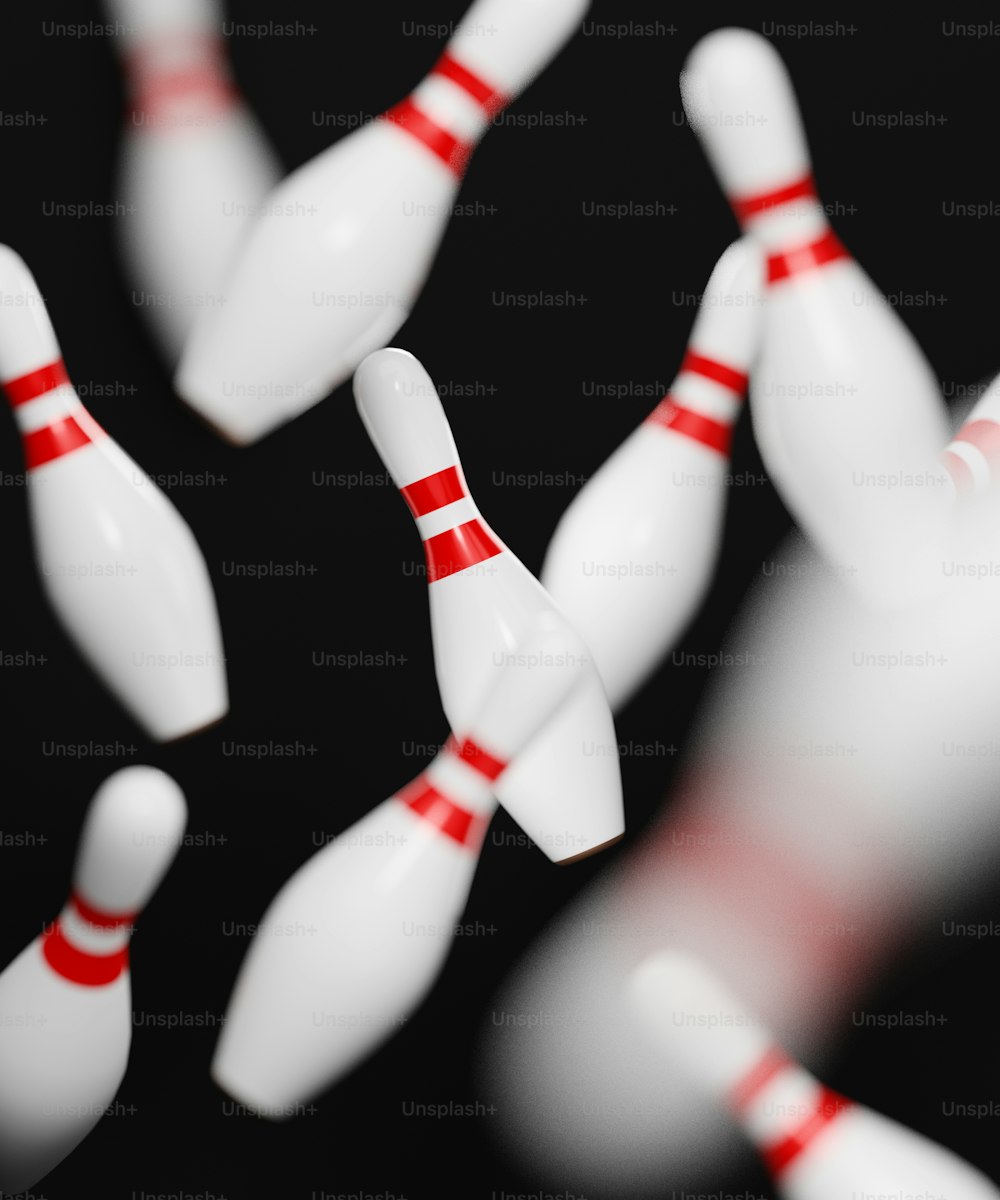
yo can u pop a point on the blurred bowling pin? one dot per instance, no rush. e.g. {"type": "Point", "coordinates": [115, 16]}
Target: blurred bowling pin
{"type": "Point", "coordinates": [846, 410]}
{"type": "Point", "coordinates": [66, 1000]}
{"type": "Point", "coordinates": [380, 901]}
{"type": "Point", "coordinates": [565, 790]}
{"type": "Point", "coordinates": [815, 1144]}
{"type": "Point", "coordinates": [633, 555]}
{"type": "Point", "coordinates": [310, 294]}
{"type": "Point", "coordinates": [194, 161]}
{"type": "Point", "coordinates": [838, 796]}
{"type": "Point", "coordinates": [120, 566]}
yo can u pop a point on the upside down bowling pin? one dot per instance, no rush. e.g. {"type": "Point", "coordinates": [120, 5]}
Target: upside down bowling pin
{"type": "Point", "coordinates": [311, 293]}
{"type": "Point", "coordinates": [565, 789]}
{"type": "Point", "coordinates": [119, 564]}
{"type": "Point", "coordinates": [305, 1010]}
{"type": "Point", "coordinates": [656, 506]}
{"type": "Point", "coordinates": [846, 410]}
{"type": "Point", "coordinates": [194, 162]}
{"type": "Point", "coordinates": [816, 1144]}
{"type": "Point", "coordinates": [62, 1062]}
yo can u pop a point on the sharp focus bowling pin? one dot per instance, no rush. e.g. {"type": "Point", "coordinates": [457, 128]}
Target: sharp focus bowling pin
{"type": "Point", "coordinates": [816, 1144]}
{"type": "Point", "coordinates": [375, 909]}
{"type": "Point", "coordinates": [633, 554]}
{"type": "Point", "coordinates": [66, 1000]}
{"type": "Point", "coordinates": [845, 408]}
{"type": "Point", "coordinates": [120, 566]}
{"type": "Point", "coordinates": [565, 790]}
{"type": "Point", "coordinates": [194, 162]}
{"type": "Point", "coordinates": [332, 268]}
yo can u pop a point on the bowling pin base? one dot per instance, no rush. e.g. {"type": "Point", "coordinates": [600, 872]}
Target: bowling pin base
{"type": "Point", "coordinates": [223, 434]}
{"type": "Point", "coordinates": [211, 723]}
{"type": "Point", "coordinates": [246, 1096]}
{"type": "Point", "coordinates": [574, 858]}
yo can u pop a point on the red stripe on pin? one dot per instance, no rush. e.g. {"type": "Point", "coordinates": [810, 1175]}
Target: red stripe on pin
{"type": "Point", "coordinates": [984, 435]}
{"type": "Point", "coordinates": [826, 249]}
{"type": "Point", "coordinates": [53, 441]}
{"type": "Point", "coordinates": [745, 207]}
{"type": "Point", "coordinates": [83, 966]}
{"type": "Point", "coordinates": [712, 434]}
{"type": "Point", "coordinates": [476, 757]}
{"type": "Point", "coordinates": [490, 99]}
{"type": "Point", "coordinates": [36, 383]}
{"type": "Point", "coordinates": [757, 1078]}
{"type": "Point", "coordinates": [457, 549]}
{"type": "Point", "coordinates": [448, 148]}
{"type": "Point", "coordinates": [434, 491]}
{"type": "Point", "coordinates": [100, 918]}
{"type": "Point", "coordinates": [710, 368]}
{"type": "Point", "coordinates": [779, 1157]}
{"type": "Point", "coordinates": [466, 828]}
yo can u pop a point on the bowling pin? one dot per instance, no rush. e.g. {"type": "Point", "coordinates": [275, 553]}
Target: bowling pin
{"type": "Point", "coordinates": [66, 1000]}
{"type": "Point", "coordinates": [332, 267]}
{"type": "Point", "coordinates": [565, 790]}
{"type": "Point", "coordinates": [846, 410]}
{"type": "Point", "coordinates": [355, 939]}
{"type": "Point", "coordinates": [633, 555]}
{"type": "Point", "coordinates": [972, 457]}
{"type": "Point", "coordinates": [816, 1144]}
{"type": "Point", "coordinates": [120, 566]}
{"type": "Point", "coordinates": [194, 162]}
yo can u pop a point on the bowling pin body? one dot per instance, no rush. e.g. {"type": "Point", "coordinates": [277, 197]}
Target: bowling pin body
{"type": "Point", "coordinates": [194, 162]}
{"type": "Point", "coordinates": [120, 566]}
{"type": "Point", "coordinates": [846, 410]}
{"type": "Point", "coordinates": [816, 1144]}
{"type": "Point", "coordinates": [565, 789]}
{"type": "Point", "coordinates": [633, 555]}
{"type": "Point", "coordinates": [332, 268]}
{"type": "Point", "coordinates": [372, 914]}
{"type": "Point", "coordinates": [66, 1000]}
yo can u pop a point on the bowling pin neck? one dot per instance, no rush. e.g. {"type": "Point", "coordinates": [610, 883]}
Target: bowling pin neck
{"type": "Point", "coordinates": [178, 79]}
{"type": "Point", "coordinates": [706, 397]}
{"type": "Point", "coordinates": [506, 43]}
{"type": "Point", "coordinates": [782, 1108]}
{"type": "Point", "coordinates": [87, 945]}
{"type": "Point", "coordinates": [741, 104]}
{"type": "Point", "coordinates": [33, 376]}
{"type": "Point", "coordinates": [497, 49]}
{"type": "Point", "coordinates": [455, 794]}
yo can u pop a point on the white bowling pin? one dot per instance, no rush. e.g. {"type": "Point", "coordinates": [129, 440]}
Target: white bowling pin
{"type": "Point", "coordinates": [194, 162]}
{"type": "Point", "coordinates": [846, 410]}
{"type": "Point", "coordinates": [565, 790]}
{"type": "Point", "coordinates": [356, 937]}
{"type": "Point", "coordinates": [816, 1144]}
{"type": "Point", "coordinates": [120, 566]}
{"type": "Point", "coordinates": [66, 1000]}
{"type": "Point", "coordinates": [335, 262]}
{"type": "Point", "coordinates": [633, 555]}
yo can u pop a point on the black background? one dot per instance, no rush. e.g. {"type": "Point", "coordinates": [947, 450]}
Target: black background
{"type": "Point", "coordinates": [624, 141]}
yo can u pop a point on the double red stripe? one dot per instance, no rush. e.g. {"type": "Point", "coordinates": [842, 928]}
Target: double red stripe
{"type": "Point", "coordinates": [466, 828]}
{"type": "Point", "coordinates": [83, 966]}
{"type": "Point", "coordinates": [780, 1155]}
{"type": "Point", "coordinates": [716, 435]}
{"type": "Point", "coordinates": [63, 435]}
{"type": "Point", "coordinates": [985, 437]}
{"type": "Point", "coordinates": [451, 150]}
